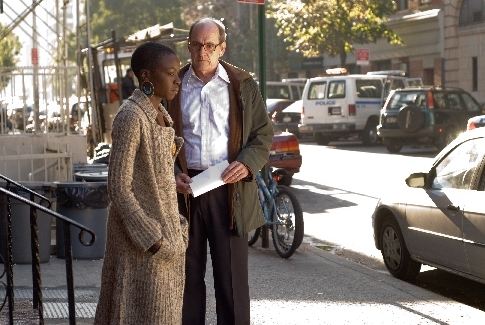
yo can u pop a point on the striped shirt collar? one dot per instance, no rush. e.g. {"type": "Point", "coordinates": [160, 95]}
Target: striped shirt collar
{"type": "Point", "coordinates": [220, 72]}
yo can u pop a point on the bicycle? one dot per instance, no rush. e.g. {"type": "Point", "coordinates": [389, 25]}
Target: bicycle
{"type": "Point", "coordinates": [283, 215]}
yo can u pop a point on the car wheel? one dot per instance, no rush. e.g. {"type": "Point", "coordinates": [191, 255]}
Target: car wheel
{"type": "Point", "coordinates": [282, 177]}
{"type": "Point", "coordinates": [393, 147]}
{"type": "Point", "coordinates": [321, 139]}
{"type": "Point", "coordinates": [395, 253]}
{"type": "Point", "coordinates": [369, 135]}
{"type": "Point", "coordinates": [410, 118]}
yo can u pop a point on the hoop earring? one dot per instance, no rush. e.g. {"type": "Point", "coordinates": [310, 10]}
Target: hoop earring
{"type": "Point", "coordinates": [147, 88]}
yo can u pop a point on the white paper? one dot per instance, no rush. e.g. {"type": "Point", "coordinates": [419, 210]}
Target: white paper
{"type": "Point", "coordinates": [209, 179]}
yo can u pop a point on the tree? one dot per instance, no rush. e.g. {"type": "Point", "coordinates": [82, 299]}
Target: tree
{"type": "Point", "coordinates": [10, 47]}
{"type": "Point", "coordinates": [314, 27]}
{"type": "Point", "coordinates": [129, 16]}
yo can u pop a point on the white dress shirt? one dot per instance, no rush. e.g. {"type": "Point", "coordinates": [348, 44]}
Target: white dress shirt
{"type": "Point", "coordinates": [205, 118]}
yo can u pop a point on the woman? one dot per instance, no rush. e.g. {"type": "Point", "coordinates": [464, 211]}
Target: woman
{"type": "Point", "coordinates": [143, 272]}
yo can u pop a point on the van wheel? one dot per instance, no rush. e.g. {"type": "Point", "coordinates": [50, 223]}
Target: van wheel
{"type": "Point", "coordinates": [393, 147]}
{"type": "Point", "coordinates": [369, 135]}
{"type": "Point", "coordinates": [321, 139]}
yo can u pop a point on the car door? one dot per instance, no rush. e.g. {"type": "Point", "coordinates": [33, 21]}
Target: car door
{"type": "Point", "coordinates": [436, 217]}
{"type": "Point", "coordinates": [474, 226]}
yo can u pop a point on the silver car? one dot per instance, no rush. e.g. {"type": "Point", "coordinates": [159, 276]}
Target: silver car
{"type": "Point", "coordinates": [438, 219]}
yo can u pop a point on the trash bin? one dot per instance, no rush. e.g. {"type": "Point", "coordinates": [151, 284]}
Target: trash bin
{"type": "Point", "coordinates": [21, 248]}
{"type": "Point", "coordinates": [87, 204]}
{"type": "Point", "coordinates": [92, 176]}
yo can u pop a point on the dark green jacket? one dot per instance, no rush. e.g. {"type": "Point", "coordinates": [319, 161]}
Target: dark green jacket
{"type": "Point", "coordinates": [250, 138]}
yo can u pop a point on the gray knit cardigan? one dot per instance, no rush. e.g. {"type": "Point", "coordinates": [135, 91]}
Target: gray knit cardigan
{"type": "Point", "coordinates": [138, 287]}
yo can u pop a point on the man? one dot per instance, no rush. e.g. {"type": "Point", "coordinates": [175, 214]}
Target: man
{"type": "Point", "coordinates": [221, 115]}
{"type": "Point", "coordinates": [128, 84]}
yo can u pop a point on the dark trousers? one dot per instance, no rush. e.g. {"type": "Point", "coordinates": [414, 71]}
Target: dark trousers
{"type": "Point", "coordinates": [209, 221]}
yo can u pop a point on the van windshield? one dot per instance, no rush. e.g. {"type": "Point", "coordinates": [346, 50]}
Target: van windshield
{"type": "Point", "coordinates": [317, 90]}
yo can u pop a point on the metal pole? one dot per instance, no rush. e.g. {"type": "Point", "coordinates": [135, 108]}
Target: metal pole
{"type": "Point", "coordinates": [67, 122]}
{"type": "Point", "coordinates": [90, 69]}
{"type": "Point", "coordinates": [262, 88]}
{"type": "Point", "coordinates": [78, 57]}
{"type": "Point", "coordinates": [35, 76]}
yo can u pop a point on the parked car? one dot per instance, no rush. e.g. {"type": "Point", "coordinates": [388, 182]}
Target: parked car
{"type": "Point", "coordinates": [289, 118]}
{"type": "Point", "coordinates": [274, 106]}
{"type": "Point", "coordinates": [425, 115]}
{"type": "Point", "coordinates": [284, 157]}
{"type": "Point", "coordinates": [438, 219]}
{"type": "Point", "coordinates": [475, 122]}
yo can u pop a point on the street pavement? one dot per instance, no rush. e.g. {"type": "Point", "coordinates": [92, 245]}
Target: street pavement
{"type": "Point", "coordinates": [314, 286]}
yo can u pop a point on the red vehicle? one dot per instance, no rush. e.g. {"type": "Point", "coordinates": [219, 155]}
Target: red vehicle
{"type": "Point", "coordinates": [284, 157]}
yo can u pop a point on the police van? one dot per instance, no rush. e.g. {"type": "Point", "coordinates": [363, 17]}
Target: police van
{"type": "Point", "coordinates": [345, 106]}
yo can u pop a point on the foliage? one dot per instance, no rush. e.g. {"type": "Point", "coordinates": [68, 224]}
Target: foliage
{"type": "Point", "coordinates": [129, 16]}
{"type": "Point", "coordinates": [314, 27]}
{"type": "Point", "coordinates": [10, 47]}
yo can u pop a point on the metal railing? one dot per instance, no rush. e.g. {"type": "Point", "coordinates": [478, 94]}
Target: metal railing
{"type": "Point", "coordinates": [62, 162]}
{"type": "Point", "coordinates": [36, 274]}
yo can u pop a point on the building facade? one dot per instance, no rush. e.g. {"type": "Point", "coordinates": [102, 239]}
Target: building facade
{"type": "Point", "coordinates": [444, 44]}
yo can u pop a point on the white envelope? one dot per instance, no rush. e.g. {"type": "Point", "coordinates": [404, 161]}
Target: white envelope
{"type": "Point", "coordinates": [209, 179]}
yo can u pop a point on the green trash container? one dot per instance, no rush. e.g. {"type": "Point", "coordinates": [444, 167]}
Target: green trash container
{"type": "Point", "coordinates": [87, 204]}
{"type": "Point", "coordinates": [21, 246]}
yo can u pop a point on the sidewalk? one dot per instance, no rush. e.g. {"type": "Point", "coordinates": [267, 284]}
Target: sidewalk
{"type": "Point", "coordinates": [313, 287]}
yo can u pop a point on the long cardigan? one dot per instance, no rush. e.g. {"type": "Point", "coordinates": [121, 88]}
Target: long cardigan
{"type": "Point", "coordinates": [250, 138]}
{"type": "Point", "coordinates": [139, 287]}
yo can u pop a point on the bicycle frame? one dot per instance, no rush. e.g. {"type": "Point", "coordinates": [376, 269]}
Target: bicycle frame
{"type": "Point", "coordinates": [266, 195]}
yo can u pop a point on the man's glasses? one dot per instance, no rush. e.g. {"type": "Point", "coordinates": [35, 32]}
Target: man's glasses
{"type": "Point", "coordinates": [209, 47]}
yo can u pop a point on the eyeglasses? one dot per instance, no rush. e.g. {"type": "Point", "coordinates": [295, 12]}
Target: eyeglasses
{"type": "Point", "coordinates": [209, 47]}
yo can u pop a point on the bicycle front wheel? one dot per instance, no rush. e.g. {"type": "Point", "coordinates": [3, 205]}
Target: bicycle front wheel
{"type": "Point", "coordinates": [288, 228]}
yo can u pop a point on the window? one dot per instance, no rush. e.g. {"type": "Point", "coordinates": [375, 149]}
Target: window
{"type": "Point", "coordinates": [370, 88]}
{"type": "Point", "coordinates": [401, 5]}
{"type": "Point", "coordinates": [399, 99]}
{"type": "Point", "coordinates": [275, 91]}
{"type": "Point", "coordinates": [317, 90]}
{"type": "Point", "coordinates": [471, 12]}
{"type": "Point", "coordinates": [470, 103]}
{"type": "Point", "coordinates": [475, 74]}
{"type": "Point", "coordinates": [296, 92]}
{"type": "Point", "coordinates": [454, 102]}
{"type": "Point", "coordinates": [456, 169]}
{"type": "Point", "coordinates": [336, 89]}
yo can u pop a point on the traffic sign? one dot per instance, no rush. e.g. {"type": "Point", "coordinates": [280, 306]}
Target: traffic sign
{"type": "Point", "coordinates": [258, 2]}
{"type": "Point", "coordinates": [35, 56]}
{"type": "Point", "coordinates": [363, 56]}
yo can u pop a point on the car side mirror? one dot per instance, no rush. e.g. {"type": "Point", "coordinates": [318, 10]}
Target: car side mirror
{"type": "Point", "coordinates": [417, 180]}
